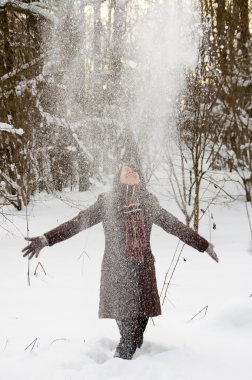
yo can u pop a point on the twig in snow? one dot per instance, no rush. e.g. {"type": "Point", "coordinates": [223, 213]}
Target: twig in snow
{"type": "Point", "coordinates": [28, 272]}
{"type": "Point", "coordinates": [39, 264]}
{"type": "Point", "coordinates": [5, 229]}
{"type": "Point", "coordinates": [173, 271]}
{"type": "Point", "coordinates": [204, 308]}
{"type": "Point", "coordinates": [173, 305]}
{"type": "Point", "coordinates": [220, 188]}
{"type": "Point", "coordinates": [82, 255]}
{"type": "Point", "coordinates": [169, 269]}
{"type": "Point", "coordinates": [210, 229]}
{"type": "Point", "coordinates": [6, 342]}
{"type": "Point", "coordinates": [32, 344]}
{"type": "Point", "coordinates": [56, 340]}
{"type": "Point", "coordinates": [250, 226]}
{"type": "Point", "coordinates": [10, 221]}
{"type": "Point", "coordinates": [27, 234]}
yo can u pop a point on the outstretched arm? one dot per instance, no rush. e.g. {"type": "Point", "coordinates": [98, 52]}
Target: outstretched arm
{"type": "Point", "coordinates": [85, 219]}
{"type": "Point", "coordinates": [173, 226]}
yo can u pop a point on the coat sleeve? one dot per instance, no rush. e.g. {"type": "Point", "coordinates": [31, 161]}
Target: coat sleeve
{"type": "Point", "coordinates": [85, 219]}
{"type": "Point", "coordinates": [173, 226]}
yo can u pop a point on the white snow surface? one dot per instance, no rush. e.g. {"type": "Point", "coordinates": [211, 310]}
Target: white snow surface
{"type": "Point", "coordinates": [4, 127]}
{"type": "Point", "coordinates": [60, 308]}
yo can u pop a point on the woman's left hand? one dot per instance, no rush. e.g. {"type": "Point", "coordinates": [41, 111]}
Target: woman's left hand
{"type": "Point", "coordinates": [210, 251]}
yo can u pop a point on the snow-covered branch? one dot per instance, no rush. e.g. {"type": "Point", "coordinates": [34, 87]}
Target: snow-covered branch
{"type": "Point", "coordinates": [35, 8]}
{"type": "Point", "coordinates": [4, 127]}
{"type": "Point", "coordinates": [20, 68]}
{"type": "Point", "coordinates": [8, 180]}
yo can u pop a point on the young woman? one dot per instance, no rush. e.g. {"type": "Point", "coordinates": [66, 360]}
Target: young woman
{"type": "Point", "coordinates": [128, 289]}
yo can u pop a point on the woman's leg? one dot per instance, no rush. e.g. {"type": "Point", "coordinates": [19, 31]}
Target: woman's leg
{"type": "Point", "coordinates": [131, 331]}
{"type": "Point", "coordinates": [142, 323]}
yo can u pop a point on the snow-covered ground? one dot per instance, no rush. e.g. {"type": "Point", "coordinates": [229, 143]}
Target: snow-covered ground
{"type": "Point", "coordinates": [59, 309]}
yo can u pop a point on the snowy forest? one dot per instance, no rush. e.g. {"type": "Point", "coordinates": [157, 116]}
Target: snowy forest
{"type": "Point", "coordinates": [83, 82]}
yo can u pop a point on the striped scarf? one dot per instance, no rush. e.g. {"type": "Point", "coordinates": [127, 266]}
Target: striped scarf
{"type": "Point", "coordinates": [134, 224]}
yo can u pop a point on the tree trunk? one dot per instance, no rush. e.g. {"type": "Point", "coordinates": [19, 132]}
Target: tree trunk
{"type": "Point", "coordinates": [220, 20]}
{"type": "Point", "coordinates": [196, 206]}
{"type": "Point", "coordinates": [8, 60]}
{"type": "Point", "coordinates": [97, 36]}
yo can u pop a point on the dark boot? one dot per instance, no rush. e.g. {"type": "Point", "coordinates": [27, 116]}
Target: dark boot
{"type": "Point", "coordinates": [142, 323]}
{"type": "Point", "coordinates": [125, 350]}
{"type": "Point", "coordinates": [131, 331]}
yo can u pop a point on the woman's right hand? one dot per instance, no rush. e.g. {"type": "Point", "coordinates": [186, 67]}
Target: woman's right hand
{"type": "Point", "coordinates": [36, 244]}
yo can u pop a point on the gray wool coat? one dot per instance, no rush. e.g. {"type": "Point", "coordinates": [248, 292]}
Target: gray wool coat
{"type": "Point", "coordinates": [127, 289]}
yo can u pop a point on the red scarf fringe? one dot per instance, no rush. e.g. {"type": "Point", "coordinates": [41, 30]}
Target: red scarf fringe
{"type": "Point", "coordinates": [134, 227]}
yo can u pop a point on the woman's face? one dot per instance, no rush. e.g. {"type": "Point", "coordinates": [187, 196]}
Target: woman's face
{"type": "Point", "coordinates": [129, 176]}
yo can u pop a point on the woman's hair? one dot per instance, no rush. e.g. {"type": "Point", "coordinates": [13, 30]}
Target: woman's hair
{"type": "Point", "coordinates": [116, 183]}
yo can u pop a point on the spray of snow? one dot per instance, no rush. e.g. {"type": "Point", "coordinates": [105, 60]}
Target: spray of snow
{"type": "Point", "coordinates": [163, 43]}
{"type": "Point", "coordinates": [166, 44]}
